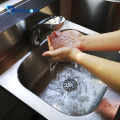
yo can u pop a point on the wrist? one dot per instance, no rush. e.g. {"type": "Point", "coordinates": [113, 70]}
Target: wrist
{"type": "Point", "coordinates": [82, 44]}
{"type": "Point", "coordinates": [80, 58]}
{"type": "Point", "coordinates": [77, 56]}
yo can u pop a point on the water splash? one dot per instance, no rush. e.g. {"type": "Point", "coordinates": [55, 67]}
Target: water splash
{"type": "Point", "coordinates": [78, 102]}
{"type": "Point", "coordinates": [52, 64]}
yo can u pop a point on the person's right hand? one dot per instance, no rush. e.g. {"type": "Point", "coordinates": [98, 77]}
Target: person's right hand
{"type": "Point", "coordinates": [64, 53]}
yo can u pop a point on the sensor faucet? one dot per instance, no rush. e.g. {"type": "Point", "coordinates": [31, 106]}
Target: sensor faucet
{"type": "Point", "coordinates": [53, 22]}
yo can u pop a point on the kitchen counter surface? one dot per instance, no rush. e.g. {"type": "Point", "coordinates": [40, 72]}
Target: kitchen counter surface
{"type": "Point", "coordinates": [9, 80]}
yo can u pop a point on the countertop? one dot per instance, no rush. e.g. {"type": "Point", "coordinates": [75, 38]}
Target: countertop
{"type": "Point", "coordinates": [9, 80]}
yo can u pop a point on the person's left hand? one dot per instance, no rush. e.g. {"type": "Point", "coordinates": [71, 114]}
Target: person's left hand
{"type": "Point", "coordinates": [67, 38]}
{"type": "Point", "coordinates": [64, 53]}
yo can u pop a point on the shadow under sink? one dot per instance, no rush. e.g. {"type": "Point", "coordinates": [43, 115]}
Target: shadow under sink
{"type": "Point", "coordinates": [69, 88]}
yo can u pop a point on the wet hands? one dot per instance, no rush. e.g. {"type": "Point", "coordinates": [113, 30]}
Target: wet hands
{"type": "Point", "coordinates": [67, 38]}
{"type": "Point", "coordinates": [64, 45]}
{"type": "Point", "coordinates": [64, 53]}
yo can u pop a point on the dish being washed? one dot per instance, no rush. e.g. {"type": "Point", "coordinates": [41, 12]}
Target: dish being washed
{"type": "Point", "coordinates": [67, 38]}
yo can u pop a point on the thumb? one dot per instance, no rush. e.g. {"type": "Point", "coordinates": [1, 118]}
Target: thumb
{"type": "Point", "coordinates": [47, 53]}
{"type": "Point", "coordinates": [50, 53]}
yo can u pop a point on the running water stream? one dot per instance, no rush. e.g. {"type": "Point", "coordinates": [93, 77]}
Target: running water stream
{"type": "Point", "coordinates": [52, 65]}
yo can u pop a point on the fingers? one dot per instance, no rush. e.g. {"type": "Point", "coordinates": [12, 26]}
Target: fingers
{"type": "Point", "coordinates": [46, 53]}
{"type": "Point", "coordinates": [51, 53]}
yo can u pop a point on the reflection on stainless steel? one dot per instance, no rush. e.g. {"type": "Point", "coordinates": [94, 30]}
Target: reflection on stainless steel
{"type": "Point", "coordinates": [98, 15]}
{"type": "Point", "coordinates": [8, 20]}
{"type": "Point", "coordinates": [4, 3]}
{"type": "Point", "coordinates": [21, 25]}
{"type": "Point", "coordinates": [11, 59]}
{"type": "Point", "coordinates": [13, 37]}
{"type": "Point", "coordinates": [53, 23]}
{"type": "Point", "coordinates": [47, 10]}
{"type": "Point", "coordinates": [65, 8]}
{"type": "Point", "coordinates": [9, 80]}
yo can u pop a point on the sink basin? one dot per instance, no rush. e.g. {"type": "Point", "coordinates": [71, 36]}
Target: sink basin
{"type": "Point", "coordinates": [69, 88]}
{"type": "Point", "coordinates": [65, 86]}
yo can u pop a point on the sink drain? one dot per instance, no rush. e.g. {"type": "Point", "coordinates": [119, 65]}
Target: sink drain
{"type": "Point", "coordinates": [70, 85]}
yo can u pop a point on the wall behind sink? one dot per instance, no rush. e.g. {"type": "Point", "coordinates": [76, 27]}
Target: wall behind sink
{"type": "Point", "coordinates": [98, 15]}
{"type": "Point", "coordinates": [14, 37]}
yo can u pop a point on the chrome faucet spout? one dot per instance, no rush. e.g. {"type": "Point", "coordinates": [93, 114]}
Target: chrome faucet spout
{"type": "Point", "coordinates": [53, 22]}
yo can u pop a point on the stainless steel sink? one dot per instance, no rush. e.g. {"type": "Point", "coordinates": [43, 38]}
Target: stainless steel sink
{"type": "Point", "coordinates": [27, 80]}
{"type": "Point", "coordinates": [69, 88]}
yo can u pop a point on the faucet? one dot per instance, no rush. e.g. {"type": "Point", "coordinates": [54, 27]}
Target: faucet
{"type": "Point", "coordinates": [53, 22]}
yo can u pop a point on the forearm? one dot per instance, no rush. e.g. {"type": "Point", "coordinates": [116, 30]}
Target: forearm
{"type": "Point", "coordinates": [101, 42]}
{"type": "Point", "coordinates": [106, 70]}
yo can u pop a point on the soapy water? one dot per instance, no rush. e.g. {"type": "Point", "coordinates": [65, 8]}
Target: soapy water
{"type": "Point", "coordinates": [77, 102]}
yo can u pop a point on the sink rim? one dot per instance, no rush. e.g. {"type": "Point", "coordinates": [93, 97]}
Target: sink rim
{"type": "Point", "coordinates": [46, 111]}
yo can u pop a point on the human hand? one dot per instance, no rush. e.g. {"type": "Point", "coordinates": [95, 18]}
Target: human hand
{"type": "Point", "coordinates": [64, 53]}
{"type": "Point", "coordinates": [67, 38]}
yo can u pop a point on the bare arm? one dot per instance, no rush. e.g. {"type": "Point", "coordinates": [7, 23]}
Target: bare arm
{"type": "Point", "coordinates": [101, 42]}
{"type": "Point", "coordinates": [106, 70]}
